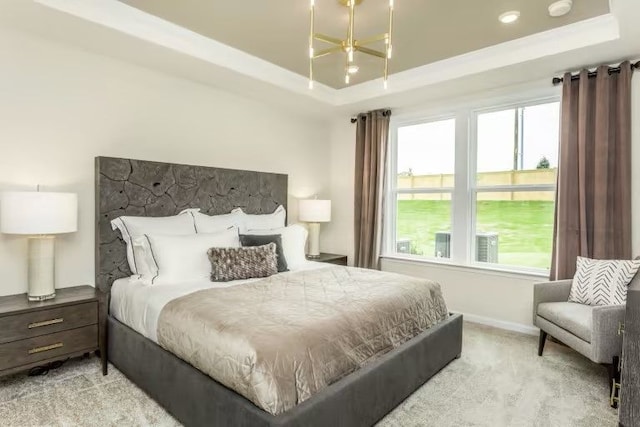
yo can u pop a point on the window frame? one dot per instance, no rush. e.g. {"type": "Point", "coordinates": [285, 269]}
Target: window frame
{"type": "Point", "coordinates": [465, 189]}
{"type": "Point", "coordinates": [392, 191]}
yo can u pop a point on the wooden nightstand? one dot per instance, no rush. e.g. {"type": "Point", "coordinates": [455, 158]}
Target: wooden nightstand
{"type": "Point", "coordinates": [36, 333]}
{"type": "Point", "coordinates": [330, 259]}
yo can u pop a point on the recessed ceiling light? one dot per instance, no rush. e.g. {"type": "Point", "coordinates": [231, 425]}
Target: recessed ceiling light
{"type": "Point", "coordinates": [560, 8]}
{"type": "Point", "coordinates": [509, 17]}
{"type": "Point", "coordinates": [353, 69]}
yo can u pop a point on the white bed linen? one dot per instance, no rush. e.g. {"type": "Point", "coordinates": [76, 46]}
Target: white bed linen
{"type": "Point", "coordinates": [138, 305]}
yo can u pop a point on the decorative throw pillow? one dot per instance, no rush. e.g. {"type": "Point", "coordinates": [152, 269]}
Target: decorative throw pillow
{"type": "Point", "coordinates": [258, 240]}
{"type": "Point", "coordinates": [602, 282]}
{"type": "Point", "coordinates": [243, 263]}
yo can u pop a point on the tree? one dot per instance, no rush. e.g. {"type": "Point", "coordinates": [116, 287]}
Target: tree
{"type": "Point", "coordinates": [543, 163]}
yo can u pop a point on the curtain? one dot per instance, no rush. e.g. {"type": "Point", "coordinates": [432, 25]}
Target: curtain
{"type": "Point", "coordinates": [372, 135]}
{"type": "Point", "coordinates": [593, 200]}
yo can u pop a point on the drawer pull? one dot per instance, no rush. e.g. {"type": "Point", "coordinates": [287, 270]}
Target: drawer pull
{"type": "Point", "coordinates": [45, 323]}
{"type": "Point", "coordinates": [45, 348]}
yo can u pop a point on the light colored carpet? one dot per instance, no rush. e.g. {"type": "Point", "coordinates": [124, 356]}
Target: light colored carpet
{"type": "Point", "coordinates": [499, 381]}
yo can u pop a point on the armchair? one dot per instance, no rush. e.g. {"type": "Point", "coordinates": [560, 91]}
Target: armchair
{"type": "Point", "coordinates": [590, 330]}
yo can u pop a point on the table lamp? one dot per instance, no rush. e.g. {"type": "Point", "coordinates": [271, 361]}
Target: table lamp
{"type": "Point", "coordinates": [40, 215]}
{"type": "Point", "coordinates": [314, 211]}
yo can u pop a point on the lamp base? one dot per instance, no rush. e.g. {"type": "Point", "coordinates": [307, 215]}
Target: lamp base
{"type": "Point", "coordinates": [314, 240]}
{"type": "Point", "coordinates": [41, 297]}
{"type": "Point", "coordinates": [41, 268]}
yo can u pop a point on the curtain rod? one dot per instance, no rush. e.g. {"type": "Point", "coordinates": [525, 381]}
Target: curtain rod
{"type": "Point", "coordinates": [354, 119]}
{"type": "Point", "coordinates": [612, 70]}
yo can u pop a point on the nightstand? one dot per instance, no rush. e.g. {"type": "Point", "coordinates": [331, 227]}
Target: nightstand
{"type": "Point", "coordinates": [37, 333]}
{"type": "Point", "coordinates": [330, 259]}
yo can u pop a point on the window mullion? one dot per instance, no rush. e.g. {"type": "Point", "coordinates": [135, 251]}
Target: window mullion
{"type": "Point", "coordinates": [460, 202]}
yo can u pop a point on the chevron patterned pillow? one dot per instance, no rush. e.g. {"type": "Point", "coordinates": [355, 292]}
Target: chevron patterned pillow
{"type": "Point", "coordinates": [602, 282]}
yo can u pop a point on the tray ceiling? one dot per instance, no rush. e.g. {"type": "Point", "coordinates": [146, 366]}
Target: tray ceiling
{"type": "Point", "coordinates": [425, 31]}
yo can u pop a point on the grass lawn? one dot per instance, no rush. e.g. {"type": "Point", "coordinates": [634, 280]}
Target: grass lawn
{"type": "Point", "coordinates": [525, 228]}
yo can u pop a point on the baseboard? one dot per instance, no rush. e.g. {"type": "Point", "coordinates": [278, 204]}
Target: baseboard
{"type": "Point", "coordinates": [500, 324]}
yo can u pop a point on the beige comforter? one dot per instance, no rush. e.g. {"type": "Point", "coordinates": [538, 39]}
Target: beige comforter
{"type": "Point", "coordinates": [279, 340]}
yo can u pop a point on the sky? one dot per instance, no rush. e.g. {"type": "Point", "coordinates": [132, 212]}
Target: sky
{"type": "Point", "coordinates": [429, 148]}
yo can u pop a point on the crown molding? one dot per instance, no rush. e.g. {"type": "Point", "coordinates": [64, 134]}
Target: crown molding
{"type": "Point", "coordinates": [136, 23]}
{"type": "Point", "coordinates": [581, 34]}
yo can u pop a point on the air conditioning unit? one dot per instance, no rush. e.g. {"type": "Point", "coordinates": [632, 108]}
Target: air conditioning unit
{"type": "Point", "coordinates": [443, 244]}
{"type": "Point", "coordinates": [403, 246]}
{"type": "Point", "coordinates": [486, 246]}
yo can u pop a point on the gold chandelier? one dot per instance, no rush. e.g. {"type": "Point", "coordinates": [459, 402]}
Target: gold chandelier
{"type": "Point", "coordinates": [350, 45]}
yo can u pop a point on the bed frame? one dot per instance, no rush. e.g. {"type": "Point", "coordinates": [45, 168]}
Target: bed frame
{"type": "Point", "coordinates": [133, 187]}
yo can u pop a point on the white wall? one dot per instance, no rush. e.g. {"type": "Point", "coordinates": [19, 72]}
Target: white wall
{"type": "Point", "coordinates": [60, 107]}
{"type": "Point", "coordinates": [483, 295]}
{"type": "Point", "coordinates": [338, 234]}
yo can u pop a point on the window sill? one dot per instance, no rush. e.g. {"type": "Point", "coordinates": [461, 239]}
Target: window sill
{"type": "Point", "coordinates": [488, 269]}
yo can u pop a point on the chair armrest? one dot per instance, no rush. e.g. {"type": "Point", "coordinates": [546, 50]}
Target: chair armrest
{"type": "Point", "coordinates": [605, 340]}
{"type": "Point", "coordinates": [607, 319]}
{"type": "Point", "coordinates": [557, 291]}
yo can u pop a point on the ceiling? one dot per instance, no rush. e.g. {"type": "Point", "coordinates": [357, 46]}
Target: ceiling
{"type": "Point", "coordinates": [114, 29]}
{"type": "Point", "coordinates": [425, 31]}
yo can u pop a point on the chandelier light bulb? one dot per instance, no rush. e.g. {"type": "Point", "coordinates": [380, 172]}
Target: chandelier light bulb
{"type": "Point", "coordinates": [311, 52]}
{"type": "Point", "coordinates": [389, 52]}
{"type": "Point", "coordinates": [353, 69]}
{"type": "Point", "coordinates": [390, 3]}
{"type": "Point", "coordinates": [385, 85]}
{"type": "Point", "coordinates": [313, 3]}
{"type": "Point", "coordinates": [310, 84]}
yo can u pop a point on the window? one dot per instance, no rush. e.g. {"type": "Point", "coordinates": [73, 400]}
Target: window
{"type": "Point", "coordinates": [426, 158]}
{"type": "Point", "coordinates": [477, 187]}
{"type": "Point", "coordinates": [517, 158]}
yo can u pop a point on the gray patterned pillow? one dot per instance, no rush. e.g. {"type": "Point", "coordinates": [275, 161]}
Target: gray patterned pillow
{"type": "Point", "coordinates": [602, 282]}
{"type": "Point", "coordinates": [243, 263]}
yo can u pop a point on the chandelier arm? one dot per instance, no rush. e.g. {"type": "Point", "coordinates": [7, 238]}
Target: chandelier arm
{"type": "Point", "coordinates": [390, 33]}
{"type": "Point", "coordinates": [327, 51]}
{"type": "Point", "coordinates": [311, 50]}
{"type": "Point", "coordinates": [371, 52]}
{"type": "Point", "coordinates": [352, 8]}
{"type": "Point", "coordinates": [372, 39]}
{"type": "Point", "coordinates": [328, 39]}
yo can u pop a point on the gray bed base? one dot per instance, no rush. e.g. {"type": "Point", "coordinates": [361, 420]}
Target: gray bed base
{"type": "Point", "coordinates": [359, 399]}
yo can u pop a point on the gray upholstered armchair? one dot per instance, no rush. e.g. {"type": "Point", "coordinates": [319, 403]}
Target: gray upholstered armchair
{"type": "Point", "coordinates": [590, 330]}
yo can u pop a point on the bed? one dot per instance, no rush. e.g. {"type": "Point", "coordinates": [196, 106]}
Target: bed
{"type": "Point", "coordinates": [141, 188]}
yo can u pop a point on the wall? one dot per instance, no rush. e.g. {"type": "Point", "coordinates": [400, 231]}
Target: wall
{"type": "Point", "coordinates": [60, 107]}
{"type": "Point", "coordinates": [494, 297]}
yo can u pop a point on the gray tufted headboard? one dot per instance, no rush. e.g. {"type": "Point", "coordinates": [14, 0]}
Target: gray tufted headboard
{"type": "Point", "coordinates": [142, 188]}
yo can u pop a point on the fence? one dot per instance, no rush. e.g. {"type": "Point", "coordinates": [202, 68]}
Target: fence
{"type": "Point", "coordinates": [523, 177]}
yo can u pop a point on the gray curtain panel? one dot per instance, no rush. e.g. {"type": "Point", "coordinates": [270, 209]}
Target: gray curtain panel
{"type": "Point", "coordinates": [593, 201]}
{"type": "Point", "coordinates": [372, 136]}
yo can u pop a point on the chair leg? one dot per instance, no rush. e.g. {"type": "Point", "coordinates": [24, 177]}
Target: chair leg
{"type": "Point", "coordinates": [542, 340]}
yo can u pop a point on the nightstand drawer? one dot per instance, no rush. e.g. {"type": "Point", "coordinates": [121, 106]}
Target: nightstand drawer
{"type": "Point", "coordinates": [43, 322]}
{"type": "Point", "coordinates": [31, 350]}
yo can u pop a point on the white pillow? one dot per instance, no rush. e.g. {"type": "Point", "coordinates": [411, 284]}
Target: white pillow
{"type": "Point", "coordinates": [263, 221]}
{"type": "Point", "coordinates": [602, 282]}
{"type": "Point", "coordinates": [294, 240]}
{"type": "Point", "coordinates": [146, 265]}
{"type": "Point", "coordinates": [216, 223]}
{"type": "Point", "coordinates": [184, 258]}
{"type": "Point", "coordinates": [136, 226]}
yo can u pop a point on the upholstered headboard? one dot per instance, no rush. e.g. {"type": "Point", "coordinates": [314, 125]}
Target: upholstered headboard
{"type": "Point", "coordinates": [142, 188]}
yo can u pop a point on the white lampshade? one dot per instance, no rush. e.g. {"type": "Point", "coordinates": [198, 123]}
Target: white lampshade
{"type": "Point", "coordinates": [34, 212]}
{"type": "Point", "coordinates": [313, 210]}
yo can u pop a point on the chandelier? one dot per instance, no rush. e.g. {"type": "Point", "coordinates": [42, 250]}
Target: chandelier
{"type": "Point", "coordinates": [350, 45]}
